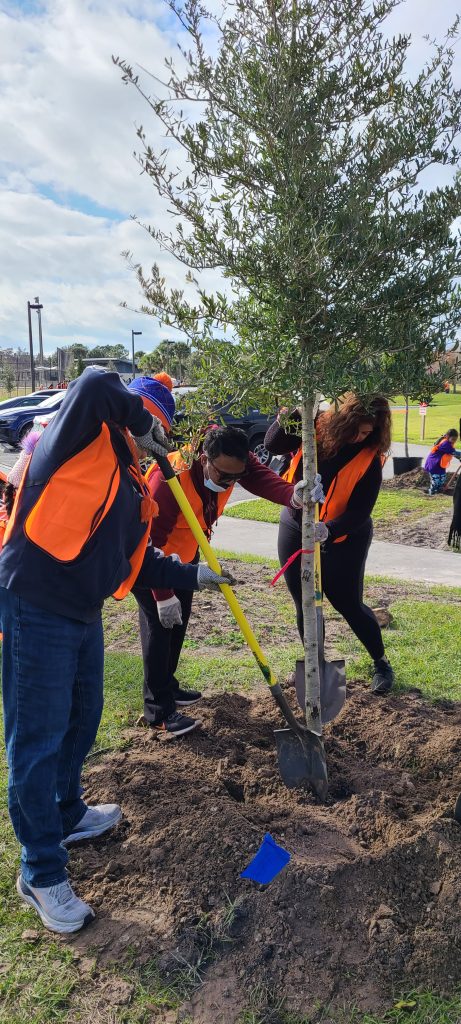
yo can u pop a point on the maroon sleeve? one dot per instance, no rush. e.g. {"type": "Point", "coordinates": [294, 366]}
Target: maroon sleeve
{"type": "Point", "coordinates": [165, 522]}
{"type": "Point", "coordinates": [263, 482]}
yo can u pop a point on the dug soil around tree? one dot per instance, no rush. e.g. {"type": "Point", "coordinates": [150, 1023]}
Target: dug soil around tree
{"type": "Point", "coordinates": [368, 906]}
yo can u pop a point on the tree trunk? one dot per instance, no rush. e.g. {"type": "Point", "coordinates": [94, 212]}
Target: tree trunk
{"type": "Point", "coordinates": [405, 430]}
{"type": "Point", "coordinates": [311, 659]}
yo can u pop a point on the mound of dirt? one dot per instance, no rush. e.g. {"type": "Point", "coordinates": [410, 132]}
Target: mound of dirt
{"type": "Point", "coordinates": [369, 903]}
{"type": "Point", "coordinates": [416, 479]}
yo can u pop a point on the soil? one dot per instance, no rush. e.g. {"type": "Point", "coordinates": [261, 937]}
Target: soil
{"type": "Point", "coordinates": [368, 905]}
{"type": "Point", "coordinates": [431, 531]}
{"type": "Point", "coordinates": [269, 610]}
{"type": "Point", "coordinates": [428, 532]}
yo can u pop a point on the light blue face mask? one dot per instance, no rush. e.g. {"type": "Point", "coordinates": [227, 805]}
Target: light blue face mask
{"type": "Point", "coordinates": [214, 487]}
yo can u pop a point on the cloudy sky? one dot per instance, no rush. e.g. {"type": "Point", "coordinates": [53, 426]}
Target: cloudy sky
{"type": "Point", "coordinates": [68, 180]}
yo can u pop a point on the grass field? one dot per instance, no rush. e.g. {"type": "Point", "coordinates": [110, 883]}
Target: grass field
{"type": "Point", "coordinates": [40, 978]}
{"type": "Point", "coordinates": [389, 506]}
{"type": "Point", "coordinates": [442, 414]}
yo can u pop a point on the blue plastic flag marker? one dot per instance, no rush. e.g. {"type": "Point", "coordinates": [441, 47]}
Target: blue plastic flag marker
{"type": "Point", "coordinates": [267, 862]}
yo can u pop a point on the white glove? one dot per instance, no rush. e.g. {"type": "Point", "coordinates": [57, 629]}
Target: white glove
{"type": "Point", "coordinates": [316, 494]}
{"type": "Point", "coordinates": [170, 612]}
{"type": "Point", "coordinates": [175, 558]}
{"type": "Point", "coordinates": [155, 440]}
{"type": "Point", "coordinates": [321, 533]}
{"type": "Point", "coordinates": [209, 580]}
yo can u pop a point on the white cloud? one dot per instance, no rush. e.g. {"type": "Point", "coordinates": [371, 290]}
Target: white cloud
{"type": "Point", "coordinates": [70, 182]}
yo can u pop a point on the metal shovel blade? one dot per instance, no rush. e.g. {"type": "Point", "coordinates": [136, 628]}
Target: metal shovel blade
{"type": "Point", "coordinates": [332, 687]}
{"type": "Point", "coordinates": [302, 761]}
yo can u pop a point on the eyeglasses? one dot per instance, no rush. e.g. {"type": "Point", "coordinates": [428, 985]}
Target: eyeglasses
{"type": "Point", "coordinates": [231, 477]}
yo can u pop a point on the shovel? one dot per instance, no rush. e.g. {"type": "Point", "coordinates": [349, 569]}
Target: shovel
{"type": "Point", "coordinates": [332, 673]}
{"type": "Point", "coordinates": [300, 754]}
{"type": "Point", "coordinates": [447, 488]}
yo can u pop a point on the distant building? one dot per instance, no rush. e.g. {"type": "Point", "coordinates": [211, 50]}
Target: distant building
{"type": "Point", "coordinates": [123, 367]}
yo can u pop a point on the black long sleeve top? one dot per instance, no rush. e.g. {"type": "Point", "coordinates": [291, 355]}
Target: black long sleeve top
{"type": "Point", "coordinates": [363, 497]}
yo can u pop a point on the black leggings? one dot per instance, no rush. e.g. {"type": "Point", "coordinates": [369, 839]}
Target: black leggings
{"type": "Point", "coordinates": [343, 569]}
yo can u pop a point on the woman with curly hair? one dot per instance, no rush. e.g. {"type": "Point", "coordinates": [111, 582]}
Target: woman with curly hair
{"type": "Point", "coordinates": [351, 443]}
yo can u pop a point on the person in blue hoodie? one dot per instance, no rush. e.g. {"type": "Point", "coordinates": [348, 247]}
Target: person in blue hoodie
{"type": "Point", "coordinates": [79, 531]}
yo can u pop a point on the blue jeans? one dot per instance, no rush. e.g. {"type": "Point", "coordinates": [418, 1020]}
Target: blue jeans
{"type": "Point", "coordinates": [52, 670]}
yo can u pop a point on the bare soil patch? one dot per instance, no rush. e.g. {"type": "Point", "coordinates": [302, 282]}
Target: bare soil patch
{"type": "Point", "coordinates": [270, 611]}
{"type": "Point", "coordinates": [428, 532]}
{"type": "Point", "coordinates": [369, 904]}
{"type": "Point", "coordinates": [431, 531]}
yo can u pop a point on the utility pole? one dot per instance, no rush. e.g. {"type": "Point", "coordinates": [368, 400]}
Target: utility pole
{"type": "Point", "coordinates": [37, 306]}
{"type": "Point", "coordinates": [134, 334]}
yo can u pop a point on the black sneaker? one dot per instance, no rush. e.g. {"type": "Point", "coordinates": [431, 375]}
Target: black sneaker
{"type": "Point", "coordinates": [383, 677]}
{"type": "Point", "coordinates": [185, 698]}
{"type": "Point", "coordinates": [178, 724]}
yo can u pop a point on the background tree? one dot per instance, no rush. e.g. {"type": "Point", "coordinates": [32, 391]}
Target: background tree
{"type": "Point", "coordinates": [307, 145]}
{"type": "Point", "coordinates": [8, 379]}
{"type": "Point", "coordinates": [77, 368]}
{"type": "Point", "coordinates": [108, 352]}
{"type": "Point", "coordinates": [174, 357]}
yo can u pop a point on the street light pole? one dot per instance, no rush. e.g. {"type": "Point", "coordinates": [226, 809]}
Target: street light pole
{"type": "Point", "coordinates": [134, 334]}
{"type": "Point", "coordinates": [37, 306]}
{"type": "Point", "coordinates": [40, 339]}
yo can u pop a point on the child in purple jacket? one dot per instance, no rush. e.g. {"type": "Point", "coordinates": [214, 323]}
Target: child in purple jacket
{"type": "Point", "coordinates": [439, 459]}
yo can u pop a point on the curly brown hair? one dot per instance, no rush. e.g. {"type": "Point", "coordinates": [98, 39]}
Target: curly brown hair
{"type": "Point", "coordinates": [338, 428]}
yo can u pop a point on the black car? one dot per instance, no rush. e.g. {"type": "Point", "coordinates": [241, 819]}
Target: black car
{"type": "Point", "coordinates": [253, 422]}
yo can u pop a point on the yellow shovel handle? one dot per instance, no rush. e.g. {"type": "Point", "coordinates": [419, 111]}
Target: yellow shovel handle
{"type": "Point", "coordinates": [207, 551]}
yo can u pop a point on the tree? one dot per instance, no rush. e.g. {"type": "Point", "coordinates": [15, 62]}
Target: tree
{"type": "Point", "coordinates": [8, 379]}
{"type": "Point", "coordinates": [108, 352]}
{"type": "Point", "coordinates": [307, 147]}
{"type": "Point", "coordinates": [172, 356]}
{"type": "Point", "coordinates": [77, 368]}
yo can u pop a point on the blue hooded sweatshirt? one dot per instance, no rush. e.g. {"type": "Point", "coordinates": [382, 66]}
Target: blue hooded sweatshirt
{"type": "Point", "coordinates": [78, 588]}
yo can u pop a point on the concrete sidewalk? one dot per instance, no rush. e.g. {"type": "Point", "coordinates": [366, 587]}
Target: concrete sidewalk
{"type": "Point", "coordinates": [423, 565]}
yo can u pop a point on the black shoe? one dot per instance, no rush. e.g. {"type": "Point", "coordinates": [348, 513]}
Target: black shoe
{"type": "Point", "coordinates": [178, 724]}
{"type": "Point", "coordinates": [383, 677]}
{"type": "Point", "coordinates": [457, 810]}
{"type": "Point", "coordinates": [185, 698]}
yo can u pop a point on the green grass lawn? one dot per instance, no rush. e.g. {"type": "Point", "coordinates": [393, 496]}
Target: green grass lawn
{"type": "Point", "coordinates": [39, 977]}
{"type": "Point", "coordinates": [443, 413]}
{"type": "Point", "coordinates": [390, 505]}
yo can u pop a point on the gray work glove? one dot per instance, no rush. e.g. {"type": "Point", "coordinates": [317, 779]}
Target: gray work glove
{"type": "Point", "coordinates": [170, 612]}
{"type": "Point", "coordinates": [209, 580]}
{"type": "Point", "coordinates": [155, 440]}
{"type": "Point", "coordinates": [315, 495]}
{"type": "Point", "coordinates": [321, 533]}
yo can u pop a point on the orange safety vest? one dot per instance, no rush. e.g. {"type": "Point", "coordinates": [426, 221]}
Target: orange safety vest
{"type": "Point", "coordinates": [341, 486]}
{"type": "Point", "coordinates": [76, 499]}
{"type": "Point", "coordinates": [181, 540]}
{"type": "Point", "coordinates": [289, 474]}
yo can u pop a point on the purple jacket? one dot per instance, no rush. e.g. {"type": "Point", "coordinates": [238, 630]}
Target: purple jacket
{"type": "Point", "coordinates": [440, 456]}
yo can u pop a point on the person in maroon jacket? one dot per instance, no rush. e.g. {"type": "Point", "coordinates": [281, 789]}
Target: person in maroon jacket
{"type": "Point", "coordinates": [163, 615]}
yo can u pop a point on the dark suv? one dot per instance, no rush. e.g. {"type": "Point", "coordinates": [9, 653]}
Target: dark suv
{"type": "Point", "coordinates": [253, 422]}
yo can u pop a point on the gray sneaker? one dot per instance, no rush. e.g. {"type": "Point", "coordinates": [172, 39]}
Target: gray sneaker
{"type": "Point", "coordinates": [58, 907]}
{"type": "Point", "coordinates": [95, 821]}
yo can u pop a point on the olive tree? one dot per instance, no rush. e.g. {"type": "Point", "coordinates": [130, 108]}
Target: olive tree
{"type": "Point", "coordinates": [300, 160]}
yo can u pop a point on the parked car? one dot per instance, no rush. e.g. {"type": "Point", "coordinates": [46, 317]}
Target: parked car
{"type": "Point", "coordinates": [23, 401]}
{"type": "Point", "coordinates": [252, 421]}
{"type": "Point", "coordinates": [16, 422]}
